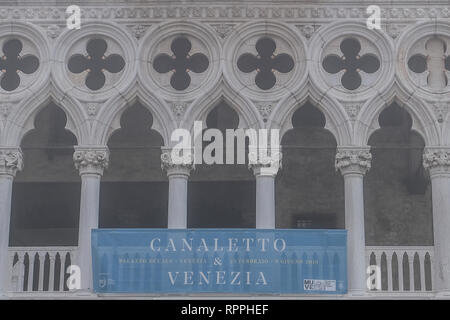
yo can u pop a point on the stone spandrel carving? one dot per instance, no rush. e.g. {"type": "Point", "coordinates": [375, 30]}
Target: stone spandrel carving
{"type": "Point", "coordinates": [307, 30]}
{"type": "Point", "coordinates": [352, 109]}
{"type": "Point", "coordinates": [353, 161]}
{"type": "Point", "coordinates": [440, 110]}
{"type": "Point", "coordinates": [91, 160]}
{"type": "Point", "coordinates": [138, 30]}
{"type": "Point", "coordinates": [53, 31]}
{"type": "Point", "coordinates": [223, 29]}
{"type": "Point", "coordinates": [178, 109]}
{"type": "Point", "coordinates": [11, 161]}
{"type": "Point", "coordinates": [5, 109]}
{"type": "Point", "coordinates": [265, 109]}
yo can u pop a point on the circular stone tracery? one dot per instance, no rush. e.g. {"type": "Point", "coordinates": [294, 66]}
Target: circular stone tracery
{"type": "Point", "coordinates": [112, 50]}
{"type": "Point", "coordinates": [353, 64]}
{"type": "Point", "coordinates": [350, 62]}
{"type": "Point", "coordinates": [428, 62]}
{"type": "Point", "coordinates": [17, 63]}
{"type": "Point", "coordinates": [95, 63]}
{"type": "Point", "coordinates": [265, 60]}
{"type": "Point", "coordinates": [265, 63]}
{"type": "Point", "coordinates": [180, 63]}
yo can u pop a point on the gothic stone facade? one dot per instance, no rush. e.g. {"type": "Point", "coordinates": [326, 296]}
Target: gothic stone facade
{"type": "Point", "coordinates": [264, 59]}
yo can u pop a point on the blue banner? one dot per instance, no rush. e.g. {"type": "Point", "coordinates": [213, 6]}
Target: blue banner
{"type": "Point", "coordinates": [238, 261]}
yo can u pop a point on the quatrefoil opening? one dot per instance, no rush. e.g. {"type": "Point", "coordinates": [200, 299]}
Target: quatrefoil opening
{"type": "Point", "coordinates": [95, 62]}
{"type": "Point", "coordinates": [12, 63]}
{"type": "Point", "coordinates": [351, 63]}
{"type": "Point", "coordinates": [180, 63]}
{"type": "Point", "coordinates": [265, 63]}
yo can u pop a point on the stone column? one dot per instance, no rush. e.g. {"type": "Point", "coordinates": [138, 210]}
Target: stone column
{"type": "Point", "coordinates": [437, 162]}
{"type": "Point", "coordinates": [353, 163]}
{"type": "Point", "coordinates": [178, 173]}
{"type": "Point", "coordinates": [265, 171]}
{"type": "Point", "coordinates": [90, 161]}
{"type": "Point", "coordinates": [10, 162]}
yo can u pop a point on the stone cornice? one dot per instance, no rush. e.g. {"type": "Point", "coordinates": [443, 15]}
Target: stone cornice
{"type": "Point", "coordinates": [436, 159]}
{"type": "Point", "coordinates": [227, 2]}
{"type": "Point", "coordinates": [11, 161]}
{"type": "Point", "coordinates": [174, 168]}
{"type": "Point", "coordinates": [91, 160]}
{"type": "Point", "coordinates": [353, 160]}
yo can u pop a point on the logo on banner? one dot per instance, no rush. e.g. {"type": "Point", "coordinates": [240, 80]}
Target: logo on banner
{"type": "Point", "coordinates": [320, 285]}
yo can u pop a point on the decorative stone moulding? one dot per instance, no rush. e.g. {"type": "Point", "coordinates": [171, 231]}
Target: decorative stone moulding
{"type": "Point", "coordinates": [179, 60]}
{"type": "Point", "coordinates": [125, 12]}
{"type": "Point", "coordinates": [96, 61]}
{"type": "Point", "coordinates": [265, 161]}
{"type": "Point", "coordinates": [96, 65]}
{"type": "Point", "coordinates": [424, 60]}
{"type": "Point", "coordinates": [437, 159]}
{"type": "Point", "coordinates": [11, 161]}
{"type": "Point", "coordinates": [348, 59]}
{"type": "Point", "coordinates": [91, 160]}
{"type": "Point", "coordinates": [24, 60]}
{"type": "Point", "coordinates": [172, 168]}
{"type": "Point", "coordinates": [353, 160]}
{"type": "Point", "coordinates": [265, 60]}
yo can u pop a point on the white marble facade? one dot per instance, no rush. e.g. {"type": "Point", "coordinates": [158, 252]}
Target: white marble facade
{"type": "Point", "coordinates": [139, 31]}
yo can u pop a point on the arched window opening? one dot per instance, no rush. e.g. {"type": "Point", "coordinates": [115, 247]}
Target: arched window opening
{"type": "Point", "coordinates": [222, 195]}
{"type": "Point", "coordinates": [309, 191]}
{"type": "Point", "coordinates": [397, 192]}
{"type": "Point", "coordinates": [46, 194]}
{"type": "Point", "coordinates": [134, 189]}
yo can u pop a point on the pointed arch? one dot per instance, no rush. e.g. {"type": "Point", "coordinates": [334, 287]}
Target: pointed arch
{"type": "Point", "coordinates": [337, 121]}
{"type": "Point", "coordinates": [108, 119]}
{"type": "Point", "coordinates": [198, 110]}
{"type": "Point", "coordinates": [46, 193]}
{"type": "Point", "coordinates": [134, 189]}
{"type": "Point", "coordinates": [423, 119]}
{"type": "Point", "coordinates": [397, 190]}
{"type": "Point", "coordinates": [22, 119]}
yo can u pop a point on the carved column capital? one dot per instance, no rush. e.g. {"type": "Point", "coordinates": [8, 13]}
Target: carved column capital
{"type": "Point", "coordinates": [177, 161]}
{"type": "Point", "coordinates": [437, 160]}
{"type": "Point", "coordinates": [353, 160]}
{"type": "Point", "coordinates": [265, 161]}
{"type": "Point", "coordinates": [11, 161]}
{"type": "Point", "coordinates": [91, 160]}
